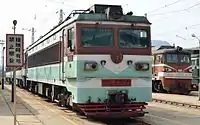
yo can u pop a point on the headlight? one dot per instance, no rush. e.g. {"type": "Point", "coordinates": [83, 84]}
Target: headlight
{"type": "Point", "coordinates": [90, 66]}
{"type": "Point", "coordinates": [190, 70]}
{"type": "Point", "coordinates": [142, 66]}
{"type": "Point", "coordinates": [166, 69]}
{"type": "Point", "coordinates": [194, 86]}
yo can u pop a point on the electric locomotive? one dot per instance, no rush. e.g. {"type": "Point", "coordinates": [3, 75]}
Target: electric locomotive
{"type": "Point", "coordinates": [172, 70]}
{"type": "Point", "coordinates": [97, 61]}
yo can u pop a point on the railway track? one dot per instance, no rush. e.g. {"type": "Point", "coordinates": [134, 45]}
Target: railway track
{"type": "Point", "coordinates": [177, 103]}
{"type": "Point", "coordinates": [68, 115]}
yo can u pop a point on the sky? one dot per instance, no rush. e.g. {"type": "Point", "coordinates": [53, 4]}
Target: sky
{"type": "Point", "coordinates": [169, 18]}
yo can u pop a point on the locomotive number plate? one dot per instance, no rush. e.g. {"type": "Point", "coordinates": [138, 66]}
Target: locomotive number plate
{"type": "Point", "coordinates": [115, 82]}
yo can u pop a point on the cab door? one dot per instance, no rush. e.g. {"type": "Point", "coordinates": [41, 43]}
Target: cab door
{"type": "Point", "coordinates": [70, 44]}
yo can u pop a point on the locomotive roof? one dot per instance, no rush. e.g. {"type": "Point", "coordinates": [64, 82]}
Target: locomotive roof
{"type": "Point", "coordinates": [84, 15]}
{"type": "Point", "coordinates": [102, 17]}
{"type": "Point", "coordinates": [161, 51]}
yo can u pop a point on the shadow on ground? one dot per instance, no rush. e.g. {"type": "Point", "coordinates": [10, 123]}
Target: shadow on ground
{"type": "Point", "coordinates": [6, 106]}
{"type": "Point", "coordinates": [126, 121]}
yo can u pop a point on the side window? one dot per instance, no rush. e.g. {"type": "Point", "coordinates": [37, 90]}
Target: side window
{"type": "Point", "coordinates": [54, 37]}
{"type": "Point", "coordinates": [194, 62]}
{"type": "Point", "coordinates": [48, 40]}
{"type": "Point", "coordinates": [159, 59]}
{"type": "Point", "coordinates": [71, 39]}
{"type": "Point", "coordinates": [197, 62]}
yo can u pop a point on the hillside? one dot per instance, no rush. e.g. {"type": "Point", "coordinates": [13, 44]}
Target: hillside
{"type": "Point", "coordinates": [158, 43]}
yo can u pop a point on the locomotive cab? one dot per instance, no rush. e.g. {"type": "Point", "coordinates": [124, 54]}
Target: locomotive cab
{"type": "Point", "coordinates": [172, 70]}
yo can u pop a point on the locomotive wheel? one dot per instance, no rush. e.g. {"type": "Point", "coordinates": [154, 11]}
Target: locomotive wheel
{"type": "Point", "coordinates": [61, 101]}
{"type": "Point", "coordinates": [69, 102]}
{"type": "Point", "coordinates": [160, 87]}
{"type": "Point", "coordinates": [52, 97]}
{"type": "Point", "coordinates": [153, 87]}
{"type": "Point", "coordinates": [59, 104]}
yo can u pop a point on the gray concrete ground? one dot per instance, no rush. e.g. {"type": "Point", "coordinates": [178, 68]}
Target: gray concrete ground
{"type": "Point", "coordinates": [29, 112]}
{"type": "Point", "coordinates": [193, 100]}
{"type": "Point", "coordinates": [194, 93]}
{"type": "Point", "coordinates": [5, 113]}
{"type": "Point", "coordinates": [164, 114]}
{"type": "Point", "coordinates": [33, 110]}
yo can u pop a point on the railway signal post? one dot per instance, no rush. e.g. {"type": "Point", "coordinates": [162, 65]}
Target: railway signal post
{"type": "Point", "coordinates": [14, 59]}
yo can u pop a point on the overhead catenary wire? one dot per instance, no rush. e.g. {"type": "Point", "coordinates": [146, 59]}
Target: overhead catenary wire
{"type": "Point", "coordinates": [176, 11]}
{"type": "Point", "coordinates": [52, 11]}
{"type": "Point", "coordinates": [165, 6]}
{"type": "Point", "coordinates": [191, 7]}
{"type": "Point", "coordinates": [165, 14]}
{"type": "Point", "coordinates": [62, 3]}
{"type": "Point", "coordinates": [192, 26]}
{"type": "Point", "coordinates": [182, 28]}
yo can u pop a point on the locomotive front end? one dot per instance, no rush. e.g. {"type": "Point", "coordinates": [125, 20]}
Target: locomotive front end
{"type": "Point", "coordinates": [110, 89]}
{"type": "Point", "coordinates": [112, 65]}
{"type": "Point", "coordinates": [173, 71]}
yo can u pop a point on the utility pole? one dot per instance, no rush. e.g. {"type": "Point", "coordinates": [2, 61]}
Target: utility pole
{"type": "Point", "coordinates": [32, 30]}
{"type": "Point", "coordinates": [193, 35]}
{"type": "Point", "coordinates": [61, 13]}
{"type": "Point", "coordinates": [33, 35]}
{"type": "Point", "coordinates": [145, 15]}
{"type": "Point", "coordinates": [61, 16]}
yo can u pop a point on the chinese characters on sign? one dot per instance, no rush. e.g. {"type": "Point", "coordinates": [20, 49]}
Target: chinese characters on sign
{"type": "Point", "coordinates": [14, 50]}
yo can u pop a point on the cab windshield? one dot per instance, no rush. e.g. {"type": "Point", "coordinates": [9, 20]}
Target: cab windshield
{"type": "Point", "coordinates": [97, 37]}
{"type": "Point", "coordinates": [133, 38]}
{"type": "Point", "coordinates": [184, 58]}
{"type": "Point", "coordinates": [178, 58]}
